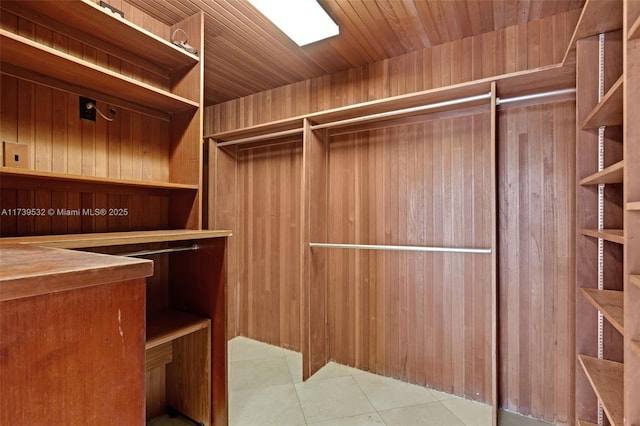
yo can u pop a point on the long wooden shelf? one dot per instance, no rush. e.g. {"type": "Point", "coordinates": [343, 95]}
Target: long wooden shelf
{"type": "Point", "coordinates": [613, 235]}
{"type": "Point", "coordinates": [610, 303]}
{"type": "Point", "coordinates": [51, 66]}
{"type": "Point", "coordinates": [88, 17]}
{"type": "Point", "coordinates": [635, 280]}
{"type": "Point", "coordinates": [89, 240]}
{"type": "Point", "coordinates": [169, 324]}
{"type": "Point", "coordinates": [7, 172]}
{"type": "Point", "coordinates": [606, 378]}
{"type": "Point", "coordinates": [608, 112]}
{"type": "Point", "coordinates": [612, 174]}
{"type": "Point", "coordinates": [598, 16]}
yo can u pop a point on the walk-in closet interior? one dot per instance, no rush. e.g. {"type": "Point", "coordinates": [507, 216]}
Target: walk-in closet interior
{"type": "Point", "coordinates": [443, 192]}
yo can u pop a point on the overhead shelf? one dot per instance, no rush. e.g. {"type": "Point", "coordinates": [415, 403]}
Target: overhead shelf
{"type": "Point", "coordinates": [49, 66]}
{"type": "Point", "coordinates": [88, 17]}
{"type": "Point", "coordinates": [89, 240]}
{"type": "Point", "coordinates": [598, 16]}
{"type": "Point", "coordinates": [610, 303]}
{"type": "Point", "coordinates": [166, 325]}
{"type": "Point", "coordinates": [606, 378]}
{"type": "Point", "coordinates": [613, 235]}
{"type": "Point", "coordinates": [71, 179]}
{"type": "Point", "coordinates": [611, 174]}
{"type": "Point", "coordinates": [608, 112]}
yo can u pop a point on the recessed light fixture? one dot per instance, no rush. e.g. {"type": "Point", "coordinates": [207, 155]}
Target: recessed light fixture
{"type": "Point", "coordinates": [303, 21]}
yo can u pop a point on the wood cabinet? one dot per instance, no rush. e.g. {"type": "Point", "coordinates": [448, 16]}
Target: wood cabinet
{"type": "Point", "coordinates": [71, 337]}
{"type": "Point", "coordinates": [607, 368]}
{"type": "Point", "coordinates": [129, 186]}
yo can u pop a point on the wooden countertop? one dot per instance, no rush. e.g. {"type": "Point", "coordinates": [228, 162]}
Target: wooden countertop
{"type": "Point", "coordinates": [28, 270]}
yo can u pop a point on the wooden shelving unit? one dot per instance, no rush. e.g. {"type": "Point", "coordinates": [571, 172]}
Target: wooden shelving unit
{"type": "Point", "coordinates": [610, 303]}
{"type": "Point", "coordinates": [634, 205]}
{"type": "Point", "coordinates": [600, 104]}
{"type": "Point", "coordinates": [150, 156]}
{"type": "Point", "coordinates": [635, 280]}
{"type": "Point", "coordinates": [606, 378]}
{"type": "Point", "coordinates": [612, 174]}
{"type": "Point", "coordinates": [612, 235]}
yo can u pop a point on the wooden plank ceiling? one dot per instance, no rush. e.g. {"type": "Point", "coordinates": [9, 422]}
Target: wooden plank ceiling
{"type": "Point", "coordinates": [246, 54]}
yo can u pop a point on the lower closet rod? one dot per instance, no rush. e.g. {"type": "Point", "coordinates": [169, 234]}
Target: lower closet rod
{"type": "Point", "coordinates": [403, 248]}
{"type": "Point", "coordinates": [159, 251]}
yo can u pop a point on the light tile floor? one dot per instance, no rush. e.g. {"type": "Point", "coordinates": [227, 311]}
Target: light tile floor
{"type": "Point", "coordinates": [266, 388]}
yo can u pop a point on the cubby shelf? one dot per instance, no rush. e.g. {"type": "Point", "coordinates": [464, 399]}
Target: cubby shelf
{"type": "Point", "coordinates": [612, 174]}
{"type": "Point", "coordinates": [606, 378]}
{"type": "Point", "coordinates": [634, 31]}
{"type": "Point", "coordinates": [613, 235]}
{"type": "Point", "coordinates": [635, 346]}
{"type": "Point", "coordinates": [169, 324]}
{"type": "Point", "coordinates": [635, 205]}
{"type": "Point", "coordinates": [50, 67]}
{"type": "Point", "coordinates": [586, 423]}
{"type": "Point", "coordinates": [610, 303]}
{"type": "Point", "coordinates": [66, 178]}
{"type": "Point", "coordinates": [609, 111]}
{"type": "Point", "coordinates": [89, 18]}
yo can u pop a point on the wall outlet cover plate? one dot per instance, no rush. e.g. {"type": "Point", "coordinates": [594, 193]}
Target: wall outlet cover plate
{"type": "Point", "coordinates": [15, 155]}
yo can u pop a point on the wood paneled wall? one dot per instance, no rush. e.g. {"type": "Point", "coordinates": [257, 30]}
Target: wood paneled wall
{"type": "Point", "coordinates": [536, 186]}
{"type": "Point", "coordinates": [515, 48]}
{"type": "Point", "coordinates": [419, 317]}
{"type": "Point", "coordinates": [536, 205]}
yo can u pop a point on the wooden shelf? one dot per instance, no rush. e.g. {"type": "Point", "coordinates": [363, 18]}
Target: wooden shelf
{"type": "Point", "coordinates": [635, 346]}
{"type": "Point", "coordinates": [635, 205]}
{"type": "Point", "coordinates": [635, 280]}
{"type": "Point", "coordinates": [613, 235]}
{"type": "Point", "coordinates": [168, 324]}
{"type": "Point", "coordinates": [88, 17]}
{"type": "Point", "coordinates": [634, 30]}
{"type": "Point", "coordinates": [6, 172]}
{"type": "Point", "coordinates": [609, 111]}
{"type": "Point", "coordinates": [612, 174]}
{"type": "Point", "coordinates": [89, 240]}
{"type": "Point", "coordinates": [48, 66]}
{"type": "Point", "coordinates": [598, 16]}
{"type": "Point", "coordinates": [586, 423]}
{"type": "Point", "coordinates": [606, 378]}
{"type": "Point", "coordinates": [610, 303]}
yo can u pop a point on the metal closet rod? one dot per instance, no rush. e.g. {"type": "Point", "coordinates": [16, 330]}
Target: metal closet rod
{"type": "Point", "coordinates": [401, 111]}
{"type": "Point", "coordinates": [159, 251]}
{"type": "Point", "coordinates": [403, 248]}
{"type": "Point", "coordinates": [259, 138]}
{"type": "Point", "coordinates": [500, 101]}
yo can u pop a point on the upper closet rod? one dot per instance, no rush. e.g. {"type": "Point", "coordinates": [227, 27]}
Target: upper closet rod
{"type": "Point", "coordinates": [403, 248]}
{"type": "Point", "coordinates": [388, 114]}
{"type": "Point", "coordinates": [531, 96]}
{"type": "Point", "coordinates": [259, 138]}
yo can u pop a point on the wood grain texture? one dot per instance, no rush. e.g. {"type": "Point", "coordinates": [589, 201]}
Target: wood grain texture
{"type": "Point", "coordinates": [510, 49]}
{"type": "Point", "coordinates": [56, 349]}
{"type": "Point", "coordinates": [536, 180]}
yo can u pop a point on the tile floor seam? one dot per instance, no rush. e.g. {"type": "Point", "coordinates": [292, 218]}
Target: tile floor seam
{"type": "Point", "coordinates": [369, 399]}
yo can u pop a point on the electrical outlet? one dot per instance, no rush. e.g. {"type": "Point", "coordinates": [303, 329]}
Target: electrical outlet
{"type": "Point", "coordinates": [15, 155]}
{"type": "Point", "coordinates": [87, 113]}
